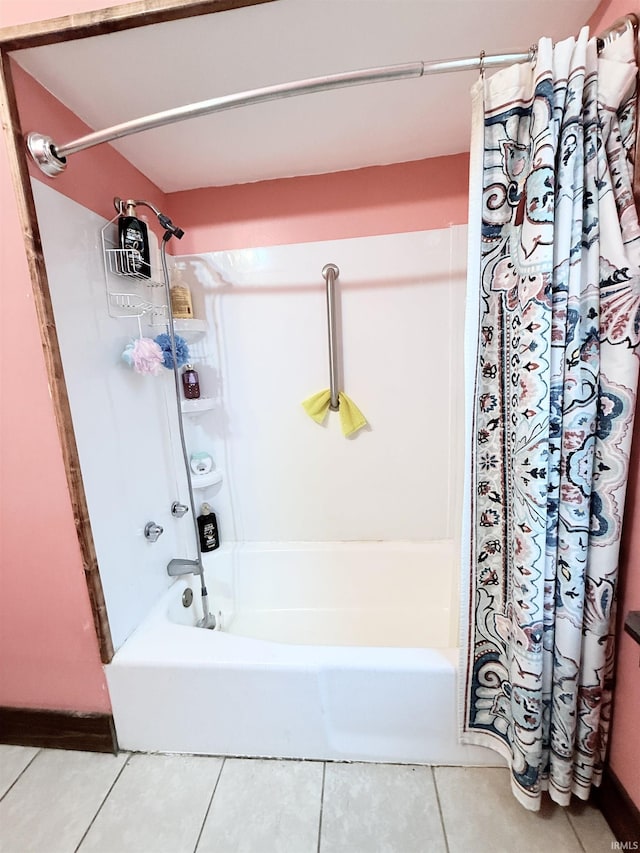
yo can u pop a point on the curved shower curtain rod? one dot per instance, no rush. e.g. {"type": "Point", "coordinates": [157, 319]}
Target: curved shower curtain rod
{"type": "Point", "coordinates": [52, 158]}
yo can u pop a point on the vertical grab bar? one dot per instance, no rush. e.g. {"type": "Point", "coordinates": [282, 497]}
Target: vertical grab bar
{"type": "Point", "coordinates": [330, 273]}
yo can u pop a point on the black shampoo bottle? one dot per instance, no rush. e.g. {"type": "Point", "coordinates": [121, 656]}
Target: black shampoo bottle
{"type": "Point", "coordinates": [208, 529]}
{"type": "Point", "coordinates": [133, 234]}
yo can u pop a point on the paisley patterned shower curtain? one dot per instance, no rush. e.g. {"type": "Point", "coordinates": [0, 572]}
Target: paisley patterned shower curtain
{"type": "Point", "coordinates": [552, 328]}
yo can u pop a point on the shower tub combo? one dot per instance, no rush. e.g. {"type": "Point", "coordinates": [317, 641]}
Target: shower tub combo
{"type": "Point", "coordinates": [337, 651]}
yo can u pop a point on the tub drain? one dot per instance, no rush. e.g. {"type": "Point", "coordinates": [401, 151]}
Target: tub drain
{"type": "Point", "coordinates": [187, 597]}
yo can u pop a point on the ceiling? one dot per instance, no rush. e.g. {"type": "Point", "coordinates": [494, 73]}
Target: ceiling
{"type": "Point", "coordinates": [113, 78]}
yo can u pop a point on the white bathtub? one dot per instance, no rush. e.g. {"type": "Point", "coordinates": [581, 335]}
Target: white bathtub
{"type": "Point", "coordinates": [336, 651]}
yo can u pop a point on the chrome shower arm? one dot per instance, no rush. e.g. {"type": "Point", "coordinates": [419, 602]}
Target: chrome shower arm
{"type": "Point", "coordinates": [142, 203]}
{"type": "Point", "coordinates": [167, 224]}
{"type": "Point", "coordinates": [120, 204]}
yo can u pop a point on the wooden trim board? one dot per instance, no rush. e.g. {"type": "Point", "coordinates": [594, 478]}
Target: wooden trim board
{"type": "Point", "coordinates": [53, 360]}
{"type": "Point", "coordinates": [111, 20]}
{"type": "Point", "coordinates": [58, 730]}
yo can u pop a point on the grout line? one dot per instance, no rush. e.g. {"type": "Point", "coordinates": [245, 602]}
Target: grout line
{"type": "Point", "coordinates": [104, 800]}
{"type": "Point", "coordinates": [19, 776]}
{"type": "Point", "coordinates": [206, 814]}
{"type": "Point", "coordinates": [575, 831]}
{"type": "Point", "coordinates": [444, 828]}
{"type": "Point", "coordinates": [324, 771]}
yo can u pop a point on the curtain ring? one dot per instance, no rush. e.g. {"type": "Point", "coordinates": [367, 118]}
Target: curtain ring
{"type": "Point", "coordinates": [482, 56]}
{"type": "Point", "coordinates": [533, 54]}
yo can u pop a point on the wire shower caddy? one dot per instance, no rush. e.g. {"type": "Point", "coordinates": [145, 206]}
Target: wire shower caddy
{"type": "Point", "coordinates": [127, 265]}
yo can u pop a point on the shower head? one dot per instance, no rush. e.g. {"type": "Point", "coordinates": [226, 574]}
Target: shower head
{"type": "Point", "coordinates": [170, 229]}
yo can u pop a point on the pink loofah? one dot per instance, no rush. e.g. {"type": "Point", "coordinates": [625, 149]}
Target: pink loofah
{"type": "Point", "coordinates": [145, 356]}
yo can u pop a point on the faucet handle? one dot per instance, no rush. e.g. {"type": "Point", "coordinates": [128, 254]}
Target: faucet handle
{"type": "Point", "coordinates": [153, 531]}
{"type": "Point", "coordinates": [178, 509]}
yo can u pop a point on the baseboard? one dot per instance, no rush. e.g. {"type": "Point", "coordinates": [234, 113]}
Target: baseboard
{"type": "Point", "coordinates": [618, 809]}
{"type": "Point", "coordinates": [58, 729]}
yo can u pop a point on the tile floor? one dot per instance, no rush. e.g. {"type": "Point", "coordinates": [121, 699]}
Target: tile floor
{"type": "Point", "coordinates": [53, 801]}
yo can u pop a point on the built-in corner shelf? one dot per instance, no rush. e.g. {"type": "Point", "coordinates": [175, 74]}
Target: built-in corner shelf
{"type": "Point", "coordinates": [191, 330]}
{"type": "Point", "coordinates": [194, 407]}
{"type": "Point", "coordinates": [201, 481]}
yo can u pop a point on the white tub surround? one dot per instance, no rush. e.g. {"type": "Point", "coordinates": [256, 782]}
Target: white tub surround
{"type": "Point", "coordinates": [400, 307]}
{"type": "Point", "coordinates": [336, 652]}
{"type": "Point", "coordinates": [125, 424]}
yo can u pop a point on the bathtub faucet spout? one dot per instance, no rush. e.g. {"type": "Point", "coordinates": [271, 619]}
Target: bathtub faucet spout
{"type": "Point", "coordinates": [183, 567]}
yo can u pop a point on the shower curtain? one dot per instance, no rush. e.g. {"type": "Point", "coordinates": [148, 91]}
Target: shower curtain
{"type": "Point", "coordinates": [553, 321]}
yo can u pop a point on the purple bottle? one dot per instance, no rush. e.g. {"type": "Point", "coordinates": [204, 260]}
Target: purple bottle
{"type": "Point", "coordinates": [190, 383]}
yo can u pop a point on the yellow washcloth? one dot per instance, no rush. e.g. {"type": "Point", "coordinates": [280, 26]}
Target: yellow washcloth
{"type": "Point", "coordinates": [351, 418]}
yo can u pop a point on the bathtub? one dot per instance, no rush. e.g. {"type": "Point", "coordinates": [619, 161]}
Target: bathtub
{"type": "Point", "coordinates": [337, 651]}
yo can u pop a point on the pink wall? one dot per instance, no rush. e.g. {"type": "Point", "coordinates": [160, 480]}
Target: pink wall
{"type": "Point", "coordinates": [377, 200]}
{"type": "Point", "coordinates": [15, 12]}
{"type": "Point", "coordinates": [48, 648]}
{"type": "Point", "coordinates": [609, 11]}
{"type": "Point", "coordinates": [49, 655]}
